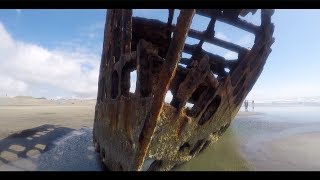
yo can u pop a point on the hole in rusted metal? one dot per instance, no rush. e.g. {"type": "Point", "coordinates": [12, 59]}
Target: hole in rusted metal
{"type": "Point", "coordinates": [189, 105]}
{"type": "Point", "coordinates": [212, 108]}
{"type": "Point", "coordinates": [196, 147]}
{"type": "Point", "coordinates": [214, 49]}
{"type": "Point", "coordinates": [199, 98]}
{"type": "Point", "coordinates": [186, 55]}
{"type": "Point", "coordinates": [234, 34]}
{"type": "Point", "coordinates": [184, 146]}
{"type": "Point", "coordinates": [199, 22]}
{"type": "Point", "coordinates": [133, 81]}
{"type": "Point", "coordinates": [168, 97]}
{"type": "Point", "coordinates": [190, 40]}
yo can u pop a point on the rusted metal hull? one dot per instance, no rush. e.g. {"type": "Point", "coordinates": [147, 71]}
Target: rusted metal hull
{"type": "Point", "coordinates": [139, 131]}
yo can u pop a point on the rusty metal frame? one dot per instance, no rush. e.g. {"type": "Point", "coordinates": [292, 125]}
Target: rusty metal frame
{"type": "Point", "coordinates": [139, 131]}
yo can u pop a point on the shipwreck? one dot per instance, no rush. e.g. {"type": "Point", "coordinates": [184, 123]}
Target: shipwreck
{"type": "Point", "coordinates": [139, 131]}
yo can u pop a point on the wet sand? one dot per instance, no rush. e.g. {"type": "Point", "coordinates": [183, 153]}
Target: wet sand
{"type": "Point", "coordinates": [222, 156]}
{"type": "Point", "coordinates": [286, 141]}
{"type": "Point", "coordinates": [71, 152]}
{"type": "Point", "coordinates": [294, 153]}
{"type": "Point", "coordinates": [37, 135]}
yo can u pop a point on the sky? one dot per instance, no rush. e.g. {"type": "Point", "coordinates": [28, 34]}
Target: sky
{"type": "Point", "coordinates": [56, 53]}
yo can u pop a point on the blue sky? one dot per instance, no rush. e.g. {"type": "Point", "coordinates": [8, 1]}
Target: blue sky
{"type": "Point", "coordinates": [56, 53]}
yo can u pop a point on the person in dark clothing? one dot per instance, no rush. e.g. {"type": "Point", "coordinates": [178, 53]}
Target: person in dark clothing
{"type": "Point", "coordinates": [253, 105]}
{"type": "Point", "coordinates": [246, 105]}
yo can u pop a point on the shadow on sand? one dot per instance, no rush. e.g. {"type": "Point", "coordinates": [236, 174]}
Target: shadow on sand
{"type": "Point", "coordinates": [30, 142]}
{"type": "Point", "coordinates": [50, 147]}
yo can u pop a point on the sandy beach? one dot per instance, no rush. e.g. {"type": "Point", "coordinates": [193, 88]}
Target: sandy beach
{"type": "Point", "coordinates": [29, 126]}
{"type": "Point", "coordinates": [40, 134]}
{"type": "Point", "coordinates": [17, 114]}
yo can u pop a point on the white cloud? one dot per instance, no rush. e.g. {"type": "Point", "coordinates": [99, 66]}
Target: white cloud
{"type": "Point", "coordinates": [222, 36]}
{"type": "Point", "coordinates": [25, 66]}
{"type": "Point", "coordinates": [246, 41]}
{"type": "Point", "coordinates": [18, 11]}
{"type": "Point", "coordinates": [231, 55]}
{"type": "Point", "coordinates": [11, 86]}
{"type": "Point", "coordinates": [95, 29]}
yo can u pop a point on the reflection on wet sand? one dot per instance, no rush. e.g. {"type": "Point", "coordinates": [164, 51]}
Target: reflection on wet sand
{"type": "Point", "coordinates": [276, 138]}
{"type": "Point", "coordinates": [221, 156]}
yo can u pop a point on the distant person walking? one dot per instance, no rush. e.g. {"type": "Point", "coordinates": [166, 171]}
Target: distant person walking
{"type": "Point", "coordinates": [246, 105]}
{"type": "Point", "coordinates": [252, 105]}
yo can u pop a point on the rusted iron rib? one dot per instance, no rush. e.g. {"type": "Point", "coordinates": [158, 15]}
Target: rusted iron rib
{"type": "Point", "coordinates": [166, 74]}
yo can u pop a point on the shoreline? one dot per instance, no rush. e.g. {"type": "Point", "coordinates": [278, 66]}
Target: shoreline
{"type": "Point", "coordinates": [256, 140]}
